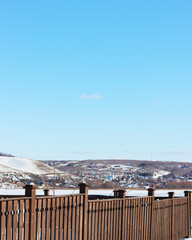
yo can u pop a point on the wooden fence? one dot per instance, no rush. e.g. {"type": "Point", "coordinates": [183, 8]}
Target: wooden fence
{"type": "Point", "coordinates": [83, 217]}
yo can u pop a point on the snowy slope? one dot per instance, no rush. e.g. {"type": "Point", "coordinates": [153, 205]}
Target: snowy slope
{"type": "Point", "coordinates": [12, 164]}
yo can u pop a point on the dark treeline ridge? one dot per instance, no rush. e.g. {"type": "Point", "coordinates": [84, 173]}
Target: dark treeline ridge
{"type": "Point", "coordinates": [5, 155]}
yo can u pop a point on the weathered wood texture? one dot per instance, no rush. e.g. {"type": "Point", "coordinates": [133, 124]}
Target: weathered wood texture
{"type": "Point", "coordinates": [74, 217]}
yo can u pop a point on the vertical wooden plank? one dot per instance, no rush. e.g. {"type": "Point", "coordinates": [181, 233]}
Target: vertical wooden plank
{"type": "Point", "coordinates": [61, 219]}
{"type": "Point", "coordinates": [145, 218]}
{"type": "Point", "coordinates": [123, 217]}
{"type": "Point", "coordinates": [9, 220]}
{"type": "Point", "coordinates": [81, 218]}
{"type": "Point", "coordinates": [65, 221]}
{"type": "Point", "coordinates": [43, 219]}
{"type": "Point", "coordinates": [108, 220]}
{"type": "Point", "coordinates": [141, 209]}
{"type": "Point", "coordinates": [73, 219]}
{"type": "Point", "coordinates": [85, 214]}
{"type": "Point", "coordinates": [114, 219]}
{"type": "Point", "coordinates": [102, 220]}
{"type": "Point", "coordinates": [38, 219]}
{"type": "Point", "coordinates": [96, 220]}
{"type": "Point", "coordinates": [14, 230]}
{"type": "Point", "coordinates": [121, 229]}
{"type": "Point", "coordinates": [171, 200]}
{"type": "Point", "coordinates": [132, 220]}
{"type": "Point", "coordinates": [3, 220]}
{"type": "Point", "coordinates": [48, 210]}
{"type": "Point", "coordinates": [93, 230]}
{"type": "Point", "coordinates": [117, 220]}
{"type": "Point", "coordinates": [57, 201]}
{"type": "Point", "coordinates": [20, 230]}
{"type": "Point", "coordinates": [99, 222]}
{"type": "Point", "coordinates": [129, 213]}
{"type": "Point", "coordinates": [32, 217]}
{"type": "Point", "coordinates": [89, 220]}
{"type": "Point", "coordinates": [126, 224]}
{"type": "Point", "coordinates": [77, 219]}
{"type": "Point", "coordinates": [26, 222]}
{"type": "Point", "coordinates": [105, 220]}
{"type": "Point", "coordinates": [188, 217]}
{"type": "Point", "coordinates": [149, 216]}
{"type": "Point", "coordinates": [142, 218]}
{"type": "Point", "coordinates": [111, 220]}
{"type": "Point", "coordinates": [135, 220]}
{"type": "Point", "coordinates": [189, 213]}
{"type": "Point", "coordinates": [152, 216]}
{"type": "Point", "coordinates": [52, 219]}
{"type": "Point", "coordinates": [69, 218]}
{"type": "Point", "coordinates": [139, 216]}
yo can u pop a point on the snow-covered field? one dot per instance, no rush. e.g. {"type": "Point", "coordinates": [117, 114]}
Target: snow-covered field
{"type": "Point", "coordinates": [108, 192]}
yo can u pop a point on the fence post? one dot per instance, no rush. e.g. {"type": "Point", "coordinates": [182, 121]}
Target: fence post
{"type": "Point", "coordinates": [115, 193]}
{"type": "Point", "coordinates": [151, 193]}
{"type": "Point", "coordinates": [121, 194]}
{"type": "Point", "coordinates": [83, 189]}
{"type": "Point", "coordinates": [171, 195]}
{"type": "Point", "coordinates": [188, 195]}
{"type": "Point", "coordinates": [30, 191]}
{"type": "Point", "coordinates": [46, 192]}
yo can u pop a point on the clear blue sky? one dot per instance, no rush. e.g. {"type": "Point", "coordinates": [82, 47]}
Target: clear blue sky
{"type": "Point", "coordinates": [96, 79]}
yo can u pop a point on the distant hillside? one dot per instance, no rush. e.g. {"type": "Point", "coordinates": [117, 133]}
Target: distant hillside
{"type": "Point", "coordinates": [17, 164]}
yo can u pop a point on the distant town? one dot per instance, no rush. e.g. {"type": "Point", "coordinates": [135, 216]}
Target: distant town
{"type": "Point", "coordinates": [134, 174]}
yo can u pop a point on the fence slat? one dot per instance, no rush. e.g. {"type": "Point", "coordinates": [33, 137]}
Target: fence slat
{"type": "Point", "coordinates": [14, 231]}
{"type": "Point", "coordinates": [21, 226]}
{"type": "Point", "coordinates": [65, 221]}
{"type": "Point", "coordinates": [69, 219]}
{"type": "Point", "coordinates": [26, 219]}
{"type": "Point", "coordinates": [53, 219]}
{"type": "Point", "coordinates": [61, 219]}
{"type": "Point", "coordinates": [43, 223]}
{"type": "Point", "coordinates": [77, 219]}
{"type": "Point", "coordinates": [57, 204]}
{"type": "Point", "coordinates": [48, 210]}
{"type": "Point", "coordinates": [3, 220]}
{"type": "Point", "coordinates": [38, 219]}
{"type": "Point", "coordinates": [9, 220]}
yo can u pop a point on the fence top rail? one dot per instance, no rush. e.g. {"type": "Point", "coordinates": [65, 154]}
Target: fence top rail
{"type": "Point", "coordinates": [11, 196]}
{"type": "Point", "coordinates": [105, 200]}
{"type": "Point", "coordinates": [115, 199]}
{"type": "Point", "coordinates": [137, 197]}
{"type": "Point", "coordinates": [59, 196]}
{"type": "Point", "coordinates": [157, 199]}
{"type": "Point", "coordinates": [164, 201]}
{"type": "Point", "coordinates": [15, 199]}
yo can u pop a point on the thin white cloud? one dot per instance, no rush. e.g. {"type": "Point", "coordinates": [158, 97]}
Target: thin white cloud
{"type": "Point", "coordinates": [81, 152]}
{"type": "Point", "coordinates": [92, 96]}
{"type": "Point", "coordinates": [176, 152]}
{"type": "Point", "coordinates": [156, 103]}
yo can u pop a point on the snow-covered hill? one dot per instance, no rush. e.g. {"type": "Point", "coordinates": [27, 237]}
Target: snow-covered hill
{"type": "Point", "coordinates": [17, 164]}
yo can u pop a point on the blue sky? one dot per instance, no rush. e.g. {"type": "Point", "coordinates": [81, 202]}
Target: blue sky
{"type": "Point", "coordinates": [96, 79]}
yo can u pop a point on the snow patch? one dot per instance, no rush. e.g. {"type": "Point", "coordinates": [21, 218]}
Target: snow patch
{"type": "Point", "coordinates": [12, 164]}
